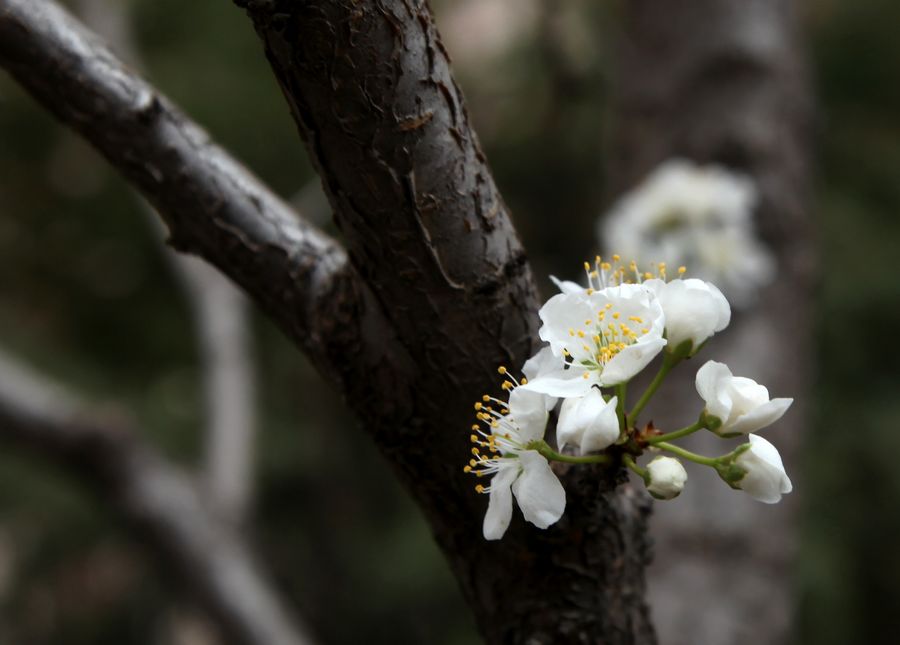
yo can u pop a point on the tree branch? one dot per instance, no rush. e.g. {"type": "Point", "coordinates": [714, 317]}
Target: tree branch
{"type": "Point", "coordinates": [370, 88]}
{"type": "Point", "coordinates": [159, 500]}
{"type": "Point", "coordinates": [213, 207]}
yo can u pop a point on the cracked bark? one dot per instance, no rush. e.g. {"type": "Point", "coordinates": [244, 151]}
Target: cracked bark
{"type": "Point", "coordinates": [725, 82]}
{"type": "Point", "coordinates": [370, 88]}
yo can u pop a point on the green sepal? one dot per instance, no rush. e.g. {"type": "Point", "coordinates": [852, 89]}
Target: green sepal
{"type": "Point", "coordinates": [731, 474]}
{"type": "Point", "coordinates": [680, 351]}
{"type": "Point", "coordinates": [711, 423]}
{"type": "Point", "coordinates": [660, 497]}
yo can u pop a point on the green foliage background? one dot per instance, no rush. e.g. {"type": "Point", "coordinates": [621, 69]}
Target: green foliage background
{"type": "Point", "coordinates": [86, 296]}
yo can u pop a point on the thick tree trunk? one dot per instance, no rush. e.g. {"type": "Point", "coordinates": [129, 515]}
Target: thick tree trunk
{"type": "Point", "coordinates": [370, 88]}
{"type": "Point", "coordinates": [723, 81]}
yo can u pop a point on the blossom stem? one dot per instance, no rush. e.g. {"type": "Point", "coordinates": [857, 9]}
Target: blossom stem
{"type": "Point", "coordinates": [550, 454]}
{"type": "Point", "coordinates": [669, 361]}
{"type": "Point", "coordinates": [687, 454]}
{"type": "Point", "coordinates": [643, 473]}
{"type": "Point", "coordinates": [677, 434]}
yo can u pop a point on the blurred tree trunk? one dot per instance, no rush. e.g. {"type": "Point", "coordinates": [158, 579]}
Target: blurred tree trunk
{"type": "Point", "coordinates": [724, 81]}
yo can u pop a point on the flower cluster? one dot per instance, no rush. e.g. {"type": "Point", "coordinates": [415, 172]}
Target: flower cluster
{"type": "Point", "coordinates": [700, 216]}
{"type": "Point", "coordinates": [597, 339]}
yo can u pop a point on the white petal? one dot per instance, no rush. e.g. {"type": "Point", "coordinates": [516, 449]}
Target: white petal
{"type": "Point", "coordinates": [564, 383]}
{"type": "Point", "coordinates": [694, 309]}
{"type": "Point", "coordinates": [564, 312]}
{"type": "Point", "coordinates": [543, 362]}
{"type": "Point", "coordinates": [588, 421]}
{"type": "Point", "coordinates": [724, 309]}
{"type": "Point", "coordinates": [567, 428]}
{"type": "Point", "coordinates": [540, 494]}
{"type": "Point", "coordinates": [528, 411]}
{"type": "Point", "coordinates": [499, 510]}
{"type": "Point", "coordinates": [761, 416]}
{"type": "Point", "coordinates": [566, 286]}
{"type": "Point", "coordinates": [746, 393]}
{"type": "Point", "coordinates": [710, 380]}
{"type": "Point", "coordinates": [766, 480]}
{"type": "Point", "coordinates": [631, 360]}
{"type": "Point", "coordinates": [603, 430]}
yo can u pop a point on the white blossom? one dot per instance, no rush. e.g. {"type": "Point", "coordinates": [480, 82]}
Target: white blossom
{"type": "Point", "coordinates": [504, 451]}
{"type": "Point", "coordinates": [698, 216]}
{"type": "Point", "coordinates": [588, 421]}
{"type": "Point", "coordinates": [606, 336]}
{"type": "Point", "coordinates": [666, 477]}
{"type": "Point", "coordinates": [764, 477]}
{"type": "Point", "coordinates": [741, 404]}
{"type": "Point", "coordinates": [694, 309]}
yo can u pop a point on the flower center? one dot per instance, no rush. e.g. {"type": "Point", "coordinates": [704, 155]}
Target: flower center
{"type": "Point", "coordinates": [612, 274]}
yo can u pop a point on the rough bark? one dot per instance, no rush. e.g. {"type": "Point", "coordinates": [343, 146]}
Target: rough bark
{"type": "Point", "coordinates": [160, 501]}
{"type": "Point", "coordinates": [370, 88]}
{"type": "Point", "coordinates": [724, 82]}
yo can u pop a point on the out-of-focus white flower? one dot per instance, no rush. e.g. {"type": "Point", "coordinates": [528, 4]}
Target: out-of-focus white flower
{"type": "Point", "coordinates": [503, 450]}
{"type": "Point", "coordinates": [607, 336]}
{"type": "Point", "coordinates": [666, 477]}
{"type": "Point", "coordinates": [694, 310]}
{"type": "Point", "coordinates": [698, 216]}
{"type": "Point", "coordinates": [764, 477]}
{"type": "Point", "coordinates": [588, 421]}
{"type": "Point", "coordinates": [741, 404]}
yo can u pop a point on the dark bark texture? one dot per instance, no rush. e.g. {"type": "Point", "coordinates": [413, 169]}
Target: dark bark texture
{"type": "Point", "coordinates": [724, 82]}
{"type": "Point", "coordinates": [370, 88]}
{"type": "Point", "coordinates": [436, 295]}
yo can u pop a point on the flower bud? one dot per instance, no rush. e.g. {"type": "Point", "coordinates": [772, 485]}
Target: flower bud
{"type": "Point", "coordinates": [588, 421]}
{"type": "Point", "coordinates": [764, 477]}
{"type": "Point", "coordinates": [740, 404]}
{"type": "Point", "coordinates": [694, 310]}
{"type": "Point", "coordinates": [666, 477]}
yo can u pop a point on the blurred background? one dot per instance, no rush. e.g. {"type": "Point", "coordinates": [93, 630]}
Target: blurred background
{"type": "Point", "coordinates": [90, 295]}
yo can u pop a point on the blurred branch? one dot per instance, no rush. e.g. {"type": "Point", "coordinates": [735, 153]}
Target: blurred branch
{"type": "Point", "coordinates": [221, 326]}
{"type": "Point", "coordinates": [222, 322]}
{"type": "Point", "coordinates": [158, 499]}
{"type": "Point", "coordinates": [213, 206]}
